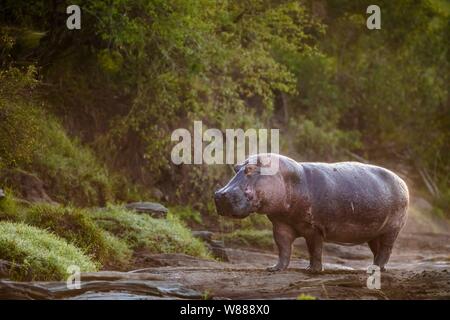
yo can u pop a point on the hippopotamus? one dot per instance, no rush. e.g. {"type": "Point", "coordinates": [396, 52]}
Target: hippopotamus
{"type": "Point", "coordinates": [347, 203]}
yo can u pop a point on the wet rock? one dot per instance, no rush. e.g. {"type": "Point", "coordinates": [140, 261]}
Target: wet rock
{"type": "Point", "coordinates": [117, 275]}
{"type": "Point", "coordinates": [123, 286]}
{"type": "Point", "coordinates": [154, 209]}
{"type": "Point", "coordinates": [154, 261]}
{"type": "Point", "coordinates": [5, 266]}
{"type": "Point", "coordinates": [203, 235]}
{"type": "Point", "coordinates": [216, 247]}
{"type": "Point", "coordinates": [23, 291]}
{"type": "Point", "coordinates": [218, 250]}
{"type": "Point", "coordinates": [158, 194]}
{"type": "Point", "coordinates": [113, 295]}
{"type": "Point", "coordinates": [30, 187]}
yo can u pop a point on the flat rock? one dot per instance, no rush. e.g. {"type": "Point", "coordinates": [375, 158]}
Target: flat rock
{"type": "Point", "coordinates": [123, 288]}
{"type": "Point", "coordinates": [23, 291]}
{"type": "Point", "coordinates": [118, 275]}
{"type": "Point", "coordinates": [203, 235]}
{"type": "Point", "coordinates": [156, 210]}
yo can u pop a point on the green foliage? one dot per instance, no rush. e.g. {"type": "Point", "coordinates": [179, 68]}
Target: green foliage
{"type": "Point", "coordinates": [394, 83]}
{"type": "Point", "coordinates": [322, 143]}
{"type": "Point", "coordinates": [71, 171]}
{"type": "Point", "coordinates": [251, 238]}
{"type": "Point", "coordinates": [141, 231]}
{"type": "Point", "coordinates": [19, 129]}
{"type": "Point", "coordinates": [303, 296]}
{"type": "Point", "coordinates": [254, 221]}
{"type": "Point", "coordinates": [186, 214]}
{"type": "Point", "coordinates": [442, 204]}
{"type": "Point", "coordinates": [39, 255]}
{"type": "Point", "coordinates": [33, 140]}
{"type": "Point", "coordinates": [8, 207]}
{"type": "Point", "coordinates": [168, 63]}
{"type": "Point", "coordinates": [76, 226]}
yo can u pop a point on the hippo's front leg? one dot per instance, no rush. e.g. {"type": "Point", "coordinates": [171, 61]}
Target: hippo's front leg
{"type": "Point", "coordinates": [284, 236]}
{"type": "Point", "coordinates": [314, 242]}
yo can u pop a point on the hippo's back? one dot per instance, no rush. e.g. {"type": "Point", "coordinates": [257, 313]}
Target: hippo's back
{"type": "Point", "coordinates": [354, 202]}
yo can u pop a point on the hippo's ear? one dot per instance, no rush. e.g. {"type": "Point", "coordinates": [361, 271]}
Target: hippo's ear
{"type": "Point", "coordinates": [263, 161]}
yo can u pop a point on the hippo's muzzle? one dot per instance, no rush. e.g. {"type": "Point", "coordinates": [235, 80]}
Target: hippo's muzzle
{"type": "Point", "coordinates": [231, 204]}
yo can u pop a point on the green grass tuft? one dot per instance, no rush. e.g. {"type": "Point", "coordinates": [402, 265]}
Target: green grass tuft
{"type": "Point", "coordinates": [38, 255]}
{"type": "Point", "coordinates": [187, 214]}
{"type": "Point", "coordinates": [305, 297]}
{"type": "Point", "coordinates": [141, 231]}
{"type": "Point", "coordinates": [8, 207]}
{"type": "Point", "coordinates": [75, 225]}
{"type": "Point", "coordinates": [262, 239]}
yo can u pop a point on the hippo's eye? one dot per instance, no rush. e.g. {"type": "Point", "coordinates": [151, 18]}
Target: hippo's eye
{"type": "Point", "coordinates": [249, 169]}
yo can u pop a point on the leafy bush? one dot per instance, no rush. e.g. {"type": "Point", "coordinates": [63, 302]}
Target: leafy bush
{"type": "Point", "coordinates": [39, 255]}
{"type": "Point", "coordinates": [322, 143]}
{"type": "Point", "coordinates": [78, 228]}
{"type": "Point", "coordinates": [33, 140]}
{"type": "Point", "coordinates": [141, 231]}
{"type": "Point", "coordinates": [19, 119]}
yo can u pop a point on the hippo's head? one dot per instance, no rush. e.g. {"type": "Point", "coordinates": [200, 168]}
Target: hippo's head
{"type": "Point", "coordinates": [253, 190]}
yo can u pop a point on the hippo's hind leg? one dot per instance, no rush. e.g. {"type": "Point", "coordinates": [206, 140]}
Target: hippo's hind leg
{"type": "Point", "coordinates": [384, 248]}
{"type": "Point", "coordinates": [374, 246]}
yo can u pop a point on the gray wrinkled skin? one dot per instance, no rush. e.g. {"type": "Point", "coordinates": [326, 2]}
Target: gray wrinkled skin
{"type": "Point", "coordinates": [346, 203]}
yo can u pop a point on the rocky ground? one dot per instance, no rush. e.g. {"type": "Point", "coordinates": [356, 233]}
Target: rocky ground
{"type": "Point", "coordinates": [419, 269]}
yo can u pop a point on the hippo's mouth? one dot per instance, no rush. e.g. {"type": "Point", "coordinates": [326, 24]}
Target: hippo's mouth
{"type": "Point", "coordinates": [227, 210]}
{"type": "Point", "coordinates": [233, 213]}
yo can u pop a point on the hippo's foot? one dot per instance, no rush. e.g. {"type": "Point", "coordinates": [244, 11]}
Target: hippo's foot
{"type": "Point", "coordinates": [276, 267]}
{"type": "Point", "coordinates": [314, 268]}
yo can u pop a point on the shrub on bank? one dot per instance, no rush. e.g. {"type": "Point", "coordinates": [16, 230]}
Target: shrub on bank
{"type": "Point", "coordinates": [262, 239]}
{"type": "Point", "coordinates": [141, 231]}
{"type": "Point", "coordinates": [36, 254]}
{"type": "Point", "coordinates": [75, 225]}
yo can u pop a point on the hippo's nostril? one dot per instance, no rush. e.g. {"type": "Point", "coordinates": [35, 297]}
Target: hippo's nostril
{"type": "Point", "coordinates": [218, 195]}
{"type": "Point", "coordinates": [248, 193]}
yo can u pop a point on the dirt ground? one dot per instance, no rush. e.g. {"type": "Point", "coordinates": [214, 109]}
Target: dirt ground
{"type": "Point", "coordinates": [421, 273]}
{"type": "Point", "coordinates": [419, 268]}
